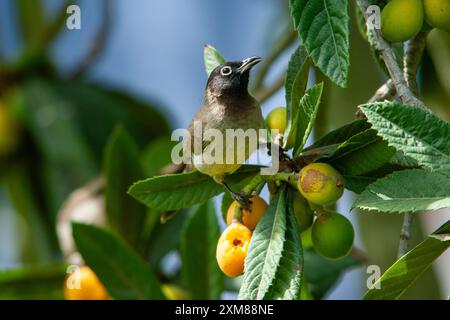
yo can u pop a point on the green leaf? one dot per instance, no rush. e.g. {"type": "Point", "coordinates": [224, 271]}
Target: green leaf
{"type": "Point", "coordinates": [362, 153]}
{"type": "Point", "coordinates": [43, 282]}
{"type": "Point", "coordinates": [295, 86]}
{"type": "Point", "coordinates": [200, 273]}
{"type": "Point", "coordinates": [67, 162]}
{"type": "Point", "coordinates": [177, 191]}
{"type": "Point", "coordinates": [287, 282]}
{"type": "Point", "coordinates": [407, 191]}
{"type": "Point", "coordinates": [322, 274]}
{"type": "Point", "coordinates": [341, 134]}
{"type": "Point", "coordinates": [323, 26]}
{"type": "Point", "coordinates": [38, 241]}
{"type": "Point", "coordinates": [98, 110]}
{"type": "Point", "coordinates": [309, 105]}
{"type": "Point", "coordinates": [225, 204]}
{"type": "Point", "coordinates": [121, 169]}
{"type": "Point", "coordinates": [357, 184]}
{"type": "Point", "coordinates": [121, 270]}
{"type": "Point", "coordinates": [401, 160]}
{"type": "Point", "coordinates": [428, 143]}
{"type": "Point", "coordinates": [212, 58]}
{"type": "Point", "coordinates": [402, 274]}
{"type": "Point", "coordinates": [157, 155]}
{"type": "Point", "coordinates": [165, 237]}
{"type": "Point", "coordinates": [265, 250]}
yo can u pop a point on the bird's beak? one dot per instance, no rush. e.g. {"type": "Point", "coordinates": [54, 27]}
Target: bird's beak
{"type": "Point", "coordinates": [249, 63]}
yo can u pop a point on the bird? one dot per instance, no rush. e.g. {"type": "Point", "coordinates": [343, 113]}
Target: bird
{"type": "Point", "coordinates": [227, 105]}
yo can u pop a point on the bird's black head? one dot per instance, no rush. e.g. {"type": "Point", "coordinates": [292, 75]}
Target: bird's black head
{"type": "Point", "coordinates": [231, 77]}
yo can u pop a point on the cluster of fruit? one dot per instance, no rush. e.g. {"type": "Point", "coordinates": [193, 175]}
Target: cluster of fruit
{"type": "Point", "coordinates": [402, 20]}
{"type": "Point", "coordinates": [319, 185]}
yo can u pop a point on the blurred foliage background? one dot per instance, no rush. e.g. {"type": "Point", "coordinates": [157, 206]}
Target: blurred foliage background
{"type": "Point", "coordinates": [81, 119]}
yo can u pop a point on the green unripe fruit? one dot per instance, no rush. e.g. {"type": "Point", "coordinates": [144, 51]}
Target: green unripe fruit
{"type": "Point", "coordinates": [320, 184]}
{"type": "Point", "coordinates": [332, 235]}
{"type": "Point", "coordinates": [277, 120]}
{"type": "Point", "coordinates": [303, 212]}
{"type": "Point", "coordinates": [401, 20]}
{"type": "Point", "coordinates": [437, 13]}
{"type": "Point", "coordinates": [306, 238]}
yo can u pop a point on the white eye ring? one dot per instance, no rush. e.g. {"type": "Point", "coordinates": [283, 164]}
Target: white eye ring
{"type": "Point", "coordinates": [226, 71]}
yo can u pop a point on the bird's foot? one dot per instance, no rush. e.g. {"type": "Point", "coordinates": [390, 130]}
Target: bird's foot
{"type": "Point", "coordinates": [281, 152]}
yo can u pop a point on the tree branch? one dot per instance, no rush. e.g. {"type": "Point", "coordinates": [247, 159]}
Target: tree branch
{"type": "Point", "coordinates": [411, 61]}
{"type": "Point", "coordinates": [97, 44]}
{"type": "Point", "coordinates": [406, 87]}
{"type": "Point", "coordinates": [386, 92]}
{"type": "Point", "coordinates": [266, 92]}
{"type": "Point", "coordinates": [289, 37]}
{"type": "Point", "coordinates": [405, 235]}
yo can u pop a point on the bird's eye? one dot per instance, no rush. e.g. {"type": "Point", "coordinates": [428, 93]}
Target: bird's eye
{"type": "Point", "coordinates": [226, 71]}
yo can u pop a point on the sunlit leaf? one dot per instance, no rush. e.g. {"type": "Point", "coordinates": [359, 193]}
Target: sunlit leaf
{"type": "Point", "coordinates": [418, 133]}
{"type": "Point", "coordinates": [265, 250]}
{"type": "Point", "coordinates": [407, 191]}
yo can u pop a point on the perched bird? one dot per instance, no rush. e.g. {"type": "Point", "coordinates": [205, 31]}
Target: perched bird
{"type": "Point", "coordinates": [227, 105]}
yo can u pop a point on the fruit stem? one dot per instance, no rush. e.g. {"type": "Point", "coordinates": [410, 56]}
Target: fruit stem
{"type": "Point", "coordinates": [254, 184]}
{"type": "Point", "coordinates": [318, 210]}
{"type": "Point", "coordinates": [237, 214]}
{"type": "Point", "coordinates": [288, 177]}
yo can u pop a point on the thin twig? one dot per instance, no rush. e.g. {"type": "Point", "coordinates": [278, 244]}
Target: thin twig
{"type": "Point", "coordinates": [98, 43]}
{"type": "Point", "coordinates": [386, 92]}
{"type": "Point", "coordinates": [405, 235]}
{"type": "Point", "coordinates": [411, 61]}
{"type": "Point", "coordinates": [359, 255]}
{"type": "Point", "coordinates": [289, 37]}
{"type": "Point", "coordinates": [266, 92]}
{"type": "Point", "coordinates": [403, 91]}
